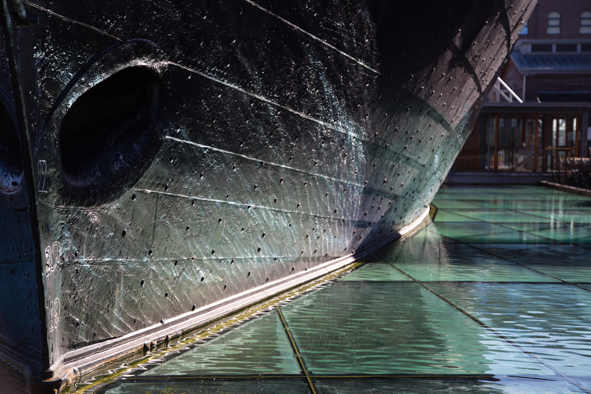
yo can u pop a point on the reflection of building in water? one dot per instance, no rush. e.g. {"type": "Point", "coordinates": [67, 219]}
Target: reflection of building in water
{"type": "Point", "coordinates": [538, 111]}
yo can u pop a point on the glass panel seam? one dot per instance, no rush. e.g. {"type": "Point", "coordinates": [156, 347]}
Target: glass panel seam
{"type": "Point", "coordinates": [296, 350]}
{"type": "Point", "coordinates": [491, 329]}
{"type": "Point", "coordinates": [528, 267]}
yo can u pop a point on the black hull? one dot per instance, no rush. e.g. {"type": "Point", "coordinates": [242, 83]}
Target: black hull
{"type": "Point", "coordinates": [225, 148]}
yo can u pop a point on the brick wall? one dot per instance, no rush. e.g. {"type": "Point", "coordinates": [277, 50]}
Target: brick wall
{"type": "Point", "coordinates": [570, 12]}
{"type": "Point", "coordinates": [556, 83]}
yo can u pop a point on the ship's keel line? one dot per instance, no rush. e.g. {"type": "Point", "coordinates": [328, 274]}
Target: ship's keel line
{"type": "Point", "coordinates": [81, 361]}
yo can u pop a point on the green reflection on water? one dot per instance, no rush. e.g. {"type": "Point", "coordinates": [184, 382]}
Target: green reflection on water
{"type": "Point", "coordinates": [376, 272]}
{"type": "Point", "coordinates": [498, 216]}
{"type": "Point", "coordinates": [566, 262]}
{"type": "Point", "coordinates": [375, 321]}
{"type": "Point", "coordinates": [434, 261]}
{"type": "Point", "coordinates": [483, 232]}
{"type": "Point", "coordinates": [442, 203]}
{"type": "Point", "coordinates": [575, 235]}
{"type": "Point", "coordinates": [552, 321]}
{"type": "Point", "coordinates": [449, 216]}
{"type": "Point", "coordinates": [270, 386]}
{"type": "Point", "coordinates": [443, 386]}
{"type": "Point", "coordinates": [385, 328]}
{"type": "Point", "coordinates": [260, 346]}
{"type": "Point", "coordinates": [568, 216]}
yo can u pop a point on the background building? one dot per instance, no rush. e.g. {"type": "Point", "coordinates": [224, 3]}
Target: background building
{"type": "Point", "coordinates": [551, 61]}
{"type": "Point", "coordinates": [538, 111]}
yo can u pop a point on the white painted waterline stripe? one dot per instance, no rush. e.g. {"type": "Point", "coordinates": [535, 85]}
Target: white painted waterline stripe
{"type": "Point", "coordinates": [407, 229]}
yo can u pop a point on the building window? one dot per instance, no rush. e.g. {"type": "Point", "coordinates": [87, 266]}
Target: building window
{"type": "Point", "coordinates": [553, 23]}
{"type": "Point", "coordinates": [566, 47]}
{"type": "Point", "coordinates": [541, 47]}
{"type": "Point", "coordinates": [524, 30]}
{"type": "Point", "coordinates": [585, 23]}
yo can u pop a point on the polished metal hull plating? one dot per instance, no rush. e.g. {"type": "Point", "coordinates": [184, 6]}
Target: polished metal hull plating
{"type": "Point", "coordinates": [226, 147]}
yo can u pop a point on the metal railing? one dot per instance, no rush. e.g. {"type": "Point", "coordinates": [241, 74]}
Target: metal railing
{"type": "Point", "coordinates": [572, 171]}
{"type": "Point", "coordinates": [502, 90]}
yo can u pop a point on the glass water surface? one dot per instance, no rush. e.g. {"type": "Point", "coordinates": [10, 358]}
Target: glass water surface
{"type": "Point", "coordinates": [493, 297]}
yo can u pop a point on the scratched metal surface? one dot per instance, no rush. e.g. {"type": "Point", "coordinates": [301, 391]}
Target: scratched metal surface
{"type": "Point", "coordinates": [244, 142]}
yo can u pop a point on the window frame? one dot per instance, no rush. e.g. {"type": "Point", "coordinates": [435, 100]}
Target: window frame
{"type": "Point", "coordinates": [554, 22]}
{"type": "Point", "coordinates": [585, 23]}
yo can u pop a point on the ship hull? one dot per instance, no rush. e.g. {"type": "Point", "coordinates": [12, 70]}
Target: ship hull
{"type": "Point", "coordinates": [181, 157]}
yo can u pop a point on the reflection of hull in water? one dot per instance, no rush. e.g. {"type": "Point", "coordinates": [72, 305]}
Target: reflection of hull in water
{"type": "Point", "coordinates": [185, 157]}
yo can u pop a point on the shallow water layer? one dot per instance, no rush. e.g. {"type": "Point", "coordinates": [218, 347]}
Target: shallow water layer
{"type": "Point", "coordinates": [493, 297]}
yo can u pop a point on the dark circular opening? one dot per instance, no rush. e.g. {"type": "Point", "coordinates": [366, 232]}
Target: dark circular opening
{"type": "Point", "coordinates": [11, 162]}
{"type": "Point", "coordinates": [109, 135]}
